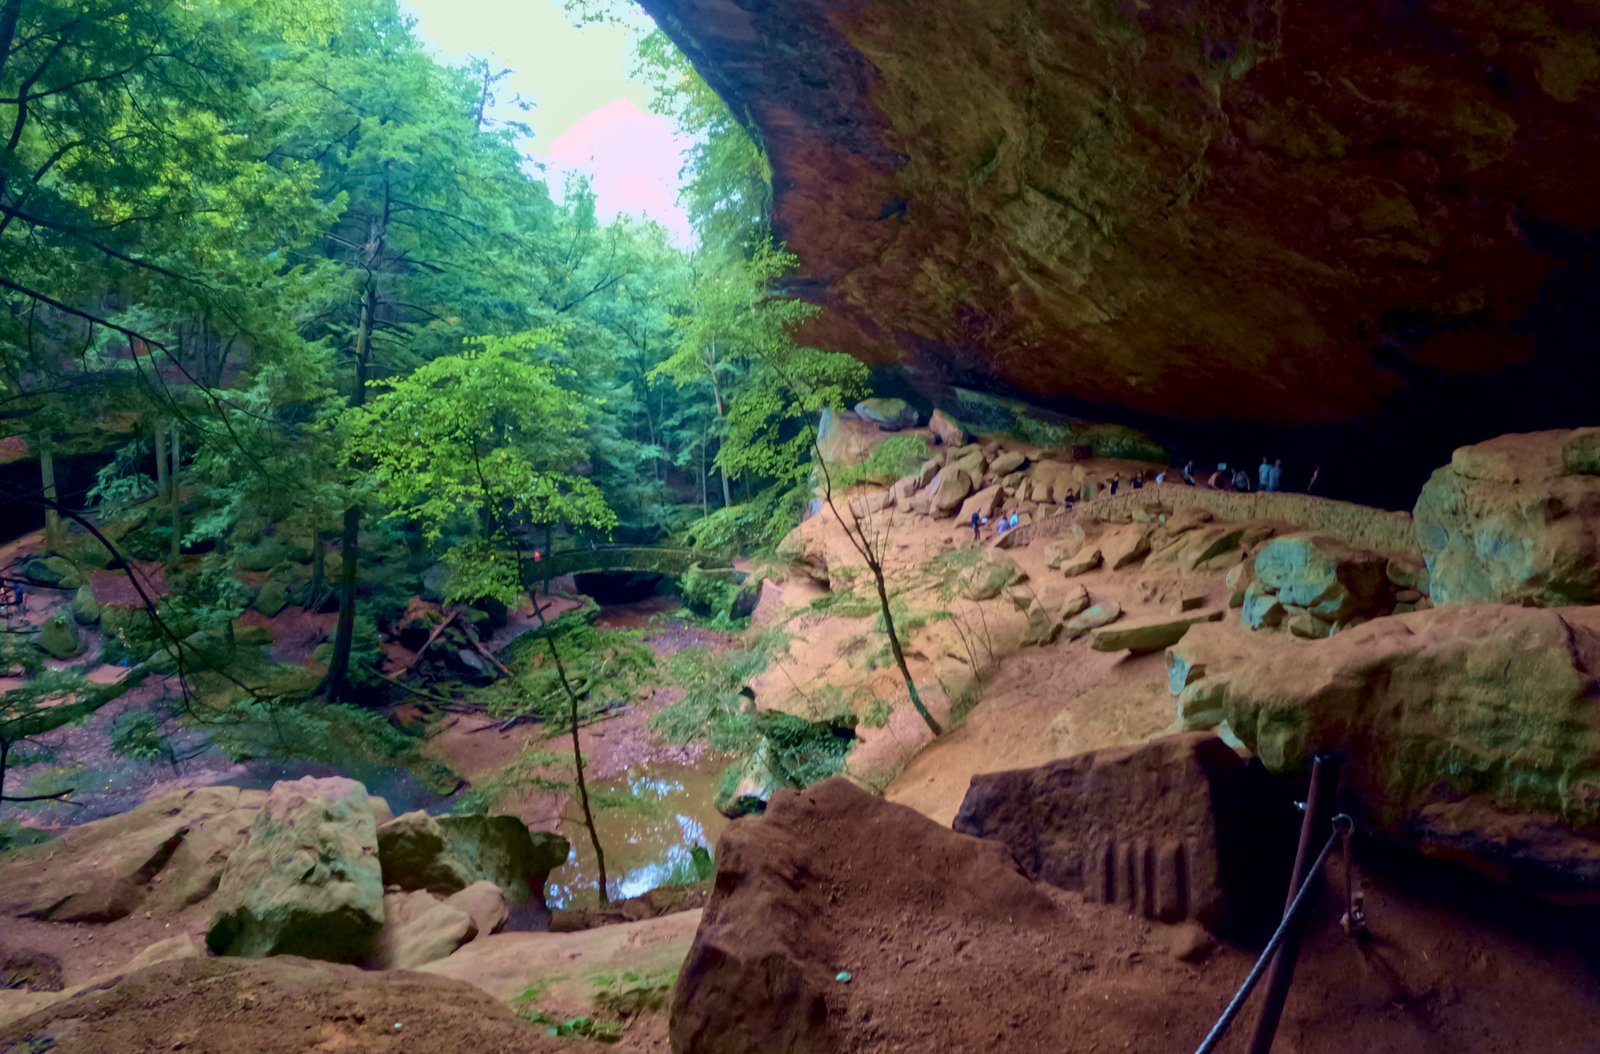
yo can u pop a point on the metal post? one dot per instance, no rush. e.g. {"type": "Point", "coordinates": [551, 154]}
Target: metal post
{"type": "Point", "coordinates": [1319, 804]}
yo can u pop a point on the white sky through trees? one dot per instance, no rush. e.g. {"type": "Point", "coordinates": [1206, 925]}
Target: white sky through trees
{"type": "Point", "coordinates": [589, 115]}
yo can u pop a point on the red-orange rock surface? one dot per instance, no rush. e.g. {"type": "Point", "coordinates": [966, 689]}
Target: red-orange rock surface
{"type": "Point", "coordinates": [1281, 213]}
{"type": "Point", "coordinates": [1471, 731]}
{"type": "Point", "coordinates": [840, 922]}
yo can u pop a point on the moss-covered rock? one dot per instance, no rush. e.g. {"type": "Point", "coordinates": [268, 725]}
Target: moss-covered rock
{"type": "Point", "coordinates": [992, 575]}
{"type": "Point", "coordinates": [1515, 520]}
{"type": "Point", "coordinates": [306, 881]}
{"type": "Point", "coordinates": [262, 556]}
{"type": "Point", "coordinates": [53, 571]}
{"type": "Point", "coordinates": [502, 850]}
{"type": "Point", "coordinates": [891, 415]}
{"type": "Point", "coordinates": [84, 607]}
{"type": "Point", "coordinates": [1468, 730]}
{"type": "Point", "coordinates": [1317, 574]}
{"type": "Point", "coordinates": [58, 638]}
{"type": "Point", "coordinates": [272, 598]}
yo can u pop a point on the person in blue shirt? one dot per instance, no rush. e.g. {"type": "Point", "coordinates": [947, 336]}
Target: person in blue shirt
{"type": "Point", "coordinates": [1264, 475]}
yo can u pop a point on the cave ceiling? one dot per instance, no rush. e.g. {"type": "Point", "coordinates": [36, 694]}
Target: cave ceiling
{"type": "Point", "coordinates": [1289, 214]}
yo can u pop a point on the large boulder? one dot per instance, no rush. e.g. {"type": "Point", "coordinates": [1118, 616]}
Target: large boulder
{"type": "Point", "coordinates": [413, 855]}
{"type": "Point", "coordinates": [58, 637]}
{"type": "Point", "coordinates": [891, 415]}
{"type": "Point", "coordinates": [272, 598]}
{"type": "Point", "coordinates": [447, 854]}
{"type": "Point", "coordinates": [1162, 829]}
{"type": "Point", "coordinates": [502, 850]}
{"type": "Point", "coordinates": [946, 431]}
{"type": "Point", "coordinates": [84, 607]}
{"type": "Point", "coordinates": [985, 503]}
{"type": "Point", "coordinates": [764, 971]}
{"type": "Point", "coordinates": [1470, 731]}
{"type": "Point", "coordinates": [1317, 574]}
{"type": "Point", "coordinates": [1007, 463]}
{"type": "Point", "coordinates": [53, 571]}
{"type": "Point", "coordinates": [419, 928]}
{"type": "Point", "coordinates": [948, 490]}
{"type": "Point", "coordinates": [1101, 614]}
{"type": "Point", "coordinates": [1049, 609]}
{"type": "Point", "coordinates": [1516, 520]}
{"type": "Point", "coordinates": [163, 856]}
{"type": "Point", "coordinates": [1145, 635]}
{"type": "Point", "coordinates": [485, 903]}
{"type": "Point", "coordinates": [992, 574]}
{"type": "Point", "coordinates": [307, 880]}
{"type": "Point", "coordinates": [1125, 545]}
{"type": "Point", "coordinates": [1082, 562]}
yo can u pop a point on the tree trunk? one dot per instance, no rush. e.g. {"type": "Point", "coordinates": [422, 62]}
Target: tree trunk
{"type": "Point", "coordinates": [345, 628]}
{"type": "Point", "coordinates": [163, 483]}
{"type": "Point", "coordinates": [716, 392]}
{"type": "Point", "coordinates": [53, 535]}
{"type": "Point", "coordinates": [577, 745]}
{"type": "Point", "coordinates": [583, 786]}
{"type": "Point", "coordinates": [862, 542]}
{"type": "Point", "coordinates": [705, 501]}
{"type": "Point", "coordinates": [175, 497]}
{"type": "Point", "coordinates": [894, 646]}
{"type": "Point", "coordinates": [319, 569]}
{"type": "Point", "coordinates": [350, 543]}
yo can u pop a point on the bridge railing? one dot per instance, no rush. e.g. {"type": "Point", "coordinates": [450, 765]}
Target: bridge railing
{"type": "Point", "coordinates": [658, 559]}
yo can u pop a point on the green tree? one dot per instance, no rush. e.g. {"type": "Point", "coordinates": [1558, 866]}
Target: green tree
{"type": "Point", "coordinates": [471, 447]}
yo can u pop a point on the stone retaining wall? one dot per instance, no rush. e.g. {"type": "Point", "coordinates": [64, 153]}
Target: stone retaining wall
{"type": "Point", "coordinates": [1367, 528]}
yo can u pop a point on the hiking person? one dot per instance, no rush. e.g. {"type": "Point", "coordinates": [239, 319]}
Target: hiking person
{"type": "Point", "coordinates": [1277, 474]}
{"type": "Point", "coordinates": [1161, 478]}
{"type": "Point", "coordinates": [1241, 481]}
{"type": "Point", "coordinates": [1116, 482]}
{"type": "Point", "coordinates": [1138, 481]}
{"type": "Point", "coordinates": [1218, 479]}
{"type": "Point", "coordinates": [1013, 521]}
{"type": "Point", "coordinates": [1188, 474]}
{"type": "Point", "coordinates": [1264, 474]}
{"type": "Point", "coordinates": [976, 523]}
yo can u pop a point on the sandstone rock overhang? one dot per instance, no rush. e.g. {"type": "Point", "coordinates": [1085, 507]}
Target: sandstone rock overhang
{"type": "Point", "coordinates": [1286, 214]}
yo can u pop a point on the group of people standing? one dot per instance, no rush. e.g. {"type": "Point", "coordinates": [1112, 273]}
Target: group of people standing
{"type": "Point", "coordinates": [1268, 478]}
{"type": "Point", "coordinates": [13, 600]}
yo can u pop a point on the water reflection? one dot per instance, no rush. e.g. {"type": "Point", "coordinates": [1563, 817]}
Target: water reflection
{"type": "Point", "coordinates": [650, 823]}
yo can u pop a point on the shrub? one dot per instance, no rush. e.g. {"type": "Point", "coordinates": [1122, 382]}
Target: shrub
{"type": "Point", "coordinates": [892, 459]}
{"type": "Point", "coordinates": [707, 593]}
{"type": "Point", "coordinates": [137, 735]}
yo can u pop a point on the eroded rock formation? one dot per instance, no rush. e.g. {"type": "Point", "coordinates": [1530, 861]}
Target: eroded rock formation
{"type": "Point", "coordinates": [1161, 829]}
{"type": "Point", "coordinates": [1469, 731]}
{"type": "Point", "coordinates": [1273, 213]}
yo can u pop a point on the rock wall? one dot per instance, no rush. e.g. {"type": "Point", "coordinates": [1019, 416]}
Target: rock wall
{"type": "Point", "coordinates": [1162, 829]}
{"type": "Point", "coordinates": [1360, 526]}
{"type": "Point", "coordinates": [1216, 210]}
{"type": "Point", "coordinates": [1470, 731]}
{"type": "Point", "coordinates": [1516, 520]}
